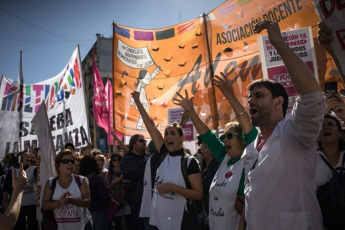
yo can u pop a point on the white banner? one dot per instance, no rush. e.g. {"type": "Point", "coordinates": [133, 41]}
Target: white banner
{"type": "Point", "coordinates": [46, 154]}
{"type": "Point", "coordinates": [138, 58]}
{"type": "Point", "coordinates": [65, 102]}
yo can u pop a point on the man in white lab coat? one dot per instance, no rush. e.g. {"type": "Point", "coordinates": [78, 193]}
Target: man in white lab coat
{"type": "Point", "coordinates": [280, 191]}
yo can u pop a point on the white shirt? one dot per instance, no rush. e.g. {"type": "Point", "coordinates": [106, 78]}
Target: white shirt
{"type": "Point", "coordinates": [145, 206]}
{"type": "Point", "coordinates": [29, 193]}
{"type": "Point", "coordinates": [69, 216]}
{"type": "Point", "coordinates": [280, 190]}
{"type": "Point", "coordinates": [323, 173]}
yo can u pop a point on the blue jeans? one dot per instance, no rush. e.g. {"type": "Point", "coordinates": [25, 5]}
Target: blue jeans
{"type": "Point", "coordinates": [99, 220]}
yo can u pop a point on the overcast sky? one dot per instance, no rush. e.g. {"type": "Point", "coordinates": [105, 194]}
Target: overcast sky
{"type": "Point", "coordinates": [48, 31]}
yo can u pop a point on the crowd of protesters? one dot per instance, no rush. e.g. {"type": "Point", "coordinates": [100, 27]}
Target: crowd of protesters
{"type": "Point", "coordinates": [262, 173]}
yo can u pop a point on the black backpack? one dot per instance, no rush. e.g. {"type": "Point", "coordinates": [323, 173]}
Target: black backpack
{"type": "Point", "coordinates": [331, 197]}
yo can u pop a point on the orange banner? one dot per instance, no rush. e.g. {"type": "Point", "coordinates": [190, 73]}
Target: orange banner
{"type": "Point", "coordinates": [158, 63]}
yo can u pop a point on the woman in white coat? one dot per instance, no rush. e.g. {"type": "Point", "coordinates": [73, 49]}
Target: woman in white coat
{"type": "Point", "coordinates": [226, 200]}
{"type": "Point", "coordinates": [169, 209]}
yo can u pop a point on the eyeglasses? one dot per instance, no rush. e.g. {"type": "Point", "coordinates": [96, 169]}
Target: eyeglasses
{"type": "Point", "coordinates": [66, 161]}
{"type": "Point", "coordinates": [142, 140]}
{"type": "Point", "coordinates": [228, 136]}
{"type": "Point", "coordinates": [114, 160]}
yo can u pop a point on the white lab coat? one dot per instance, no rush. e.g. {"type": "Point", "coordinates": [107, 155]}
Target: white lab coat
{"type": "Point", "coordinates": [280, 190]}
{"type": "Point", "coordinates": [223, 193]}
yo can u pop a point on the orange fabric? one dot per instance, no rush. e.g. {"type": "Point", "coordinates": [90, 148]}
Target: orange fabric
{"type": "Point", "coordinates": [181, 51]}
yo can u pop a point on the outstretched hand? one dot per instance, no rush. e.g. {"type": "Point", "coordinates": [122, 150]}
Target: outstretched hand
{"type": "Point", "coordinates": [185, 102]}
{"type": "Point", "coordinates": [223, 83]}
{"type": "Point", "coordinates": [273, 31]}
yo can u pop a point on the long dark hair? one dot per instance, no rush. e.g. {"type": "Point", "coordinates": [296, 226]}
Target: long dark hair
{"type": "Point", "coordinates": [133, 140]}
{"type": "Point", "coordinates": [111, 167]}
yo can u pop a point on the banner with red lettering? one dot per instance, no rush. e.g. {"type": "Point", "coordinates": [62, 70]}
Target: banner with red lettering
{"type": "Point", "coordinates": [65, 103]}
{"type": "Point", "coordinates": [300, 41]}
{"type": "Point", "coordinates": [158, 63]}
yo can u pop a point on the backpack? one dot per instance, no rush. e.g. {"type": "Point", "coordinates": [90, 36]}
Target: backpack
{"type": "Point", "coordinates": [2, 183]}
{"type": "Point", "coordinates": [331, 197]}
{"type": "Point", "coordinates": [48, 218]}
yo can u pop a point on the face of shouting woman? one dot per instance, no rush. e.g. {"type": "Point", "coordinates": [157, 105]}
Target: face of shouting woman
{"type": "Point", "coordinates": [172, 139]}
{"type": "Point", "coordinates": [233, 142]}
{"type": "Point", "coordinates": [330, 133]}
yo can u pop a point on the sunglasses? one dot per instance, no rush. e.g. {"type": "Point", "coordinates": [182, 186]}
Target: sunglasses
{"type": "Point", "coordinates": [116, 160]}
{"type": "Point", "coordinates": [66, 161]}
{"type": "Point", "coordinates": [142, 140]}
{"type": "Point", "coordinates": [229, 136]}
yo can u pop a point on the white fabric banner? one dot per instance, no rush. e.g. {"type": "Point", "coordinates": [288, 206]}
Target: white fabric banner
{"type": "Point", "coordinates": [65, 103]}
{"type": "Point", "coordinates": [46, 154]}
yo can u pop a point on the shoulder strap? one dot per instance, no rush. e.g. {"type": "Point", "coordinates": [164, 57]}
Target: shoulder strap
{"type": "Point", "coordinates": [184, 160]}
{"type": "Point", "coordinates": [77, 179]}
{"type": "Point", "coordinates": [53, 185]}
{"type": "Point", "coordinates": [334, 172]}
{"type": "Point", "coordinates": [184, 164]}
{"type": "Point", "coordinates": [162, 157]}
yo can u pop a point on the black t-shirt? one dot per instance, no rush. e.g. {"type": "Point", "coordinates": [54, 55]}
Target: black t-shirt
{"type": "Point", "coordinates": [133, 167]}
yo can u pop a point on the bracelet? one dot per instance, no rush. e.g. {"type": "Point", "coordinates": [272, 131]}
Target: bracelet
{"type": "Point", "coordinates": [239, 114]}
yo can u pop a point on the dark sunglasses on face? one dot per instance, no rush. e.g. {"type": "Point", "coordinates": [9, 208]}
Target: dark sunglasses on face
{"type": "Point", "coordinates": [142, 140]}
{"type": "Point", "coordinates": [66, 161]}
{"type": "Point", "coordinates": [228, 136]}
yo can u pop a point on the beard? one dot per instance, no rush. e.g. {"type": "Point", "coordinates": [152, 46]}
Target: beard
{"type": "Point", "coordinates": [260, 117]}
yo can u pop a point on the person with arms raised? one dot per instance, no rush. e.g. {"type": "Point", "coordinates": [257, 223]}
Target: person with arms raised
{"type": "Point", "coordinates": [169, 205]}
{"type": "Point", "coordinates": [280, 163]}
{"type": "Point", "coordinates": [227, 188]}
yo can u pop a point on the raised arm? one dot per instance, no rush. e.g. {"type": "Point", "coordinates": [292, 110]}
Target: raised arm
{"type": "Point", "coordinates": [9, 218]}
{"type": "Point", "coordinates": [187, 104]}
{"type": "Point", "coordinates": [301, 76]}
{"type": "Point", "coordinates": [149, 124]}
{"type": "Point", "coordinates": [121, 144]}
{"type": "Point", "coordinates": [225, 85]}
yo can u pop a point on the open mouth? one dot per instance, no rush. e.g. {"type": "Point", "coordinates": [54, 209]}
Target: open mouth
{"type": "Point", "coordinates": [170, 143]}
{"type": "Point", "coordinates": [253, 111]}
{"type": "Point", "coordinates": [327, 134]}
{"type": "Point", "coordinates": [228, 147]}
